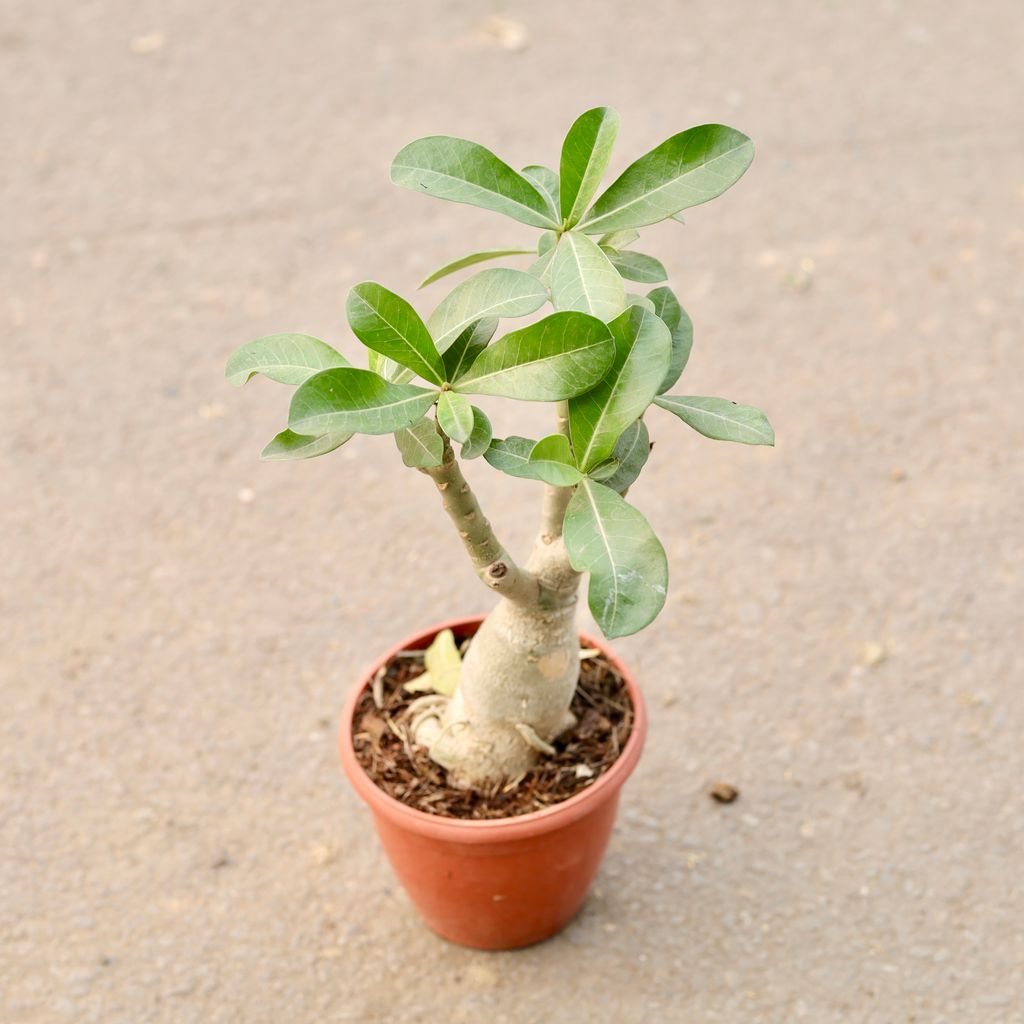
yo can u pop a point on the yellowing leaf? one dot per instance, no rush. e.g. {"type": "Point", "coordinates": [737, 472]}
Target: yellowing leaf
{"type": "Point", "coordinates": [444, 663]}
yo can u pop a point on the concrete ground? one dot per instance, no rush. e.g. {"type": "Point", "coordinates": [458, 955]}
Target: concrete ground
{"type": "Point", "coordinates": [179, 622]}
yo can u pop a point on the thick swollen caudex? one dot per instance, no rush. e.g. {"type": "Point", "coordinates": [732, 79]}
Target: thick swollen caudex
{"type": "Point", "coordinates": [514, 693]}
{"type": "Point", "coordinates": [520, 672]}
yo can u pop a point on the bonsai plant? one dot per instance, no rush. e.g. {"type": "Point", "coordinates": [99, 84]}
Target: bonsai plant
{"type": "Point", "coordinates": [602, 357]}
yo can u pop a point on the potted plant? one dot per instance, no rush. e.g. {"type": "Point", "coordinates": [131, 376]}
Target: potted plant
{"type": "Point", "coordinates": [446, 732]}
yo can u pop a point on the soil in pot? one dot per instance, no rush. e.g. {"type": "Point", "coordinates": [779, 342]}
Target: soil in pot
{"type": "Point", "coordinates": [380, 736]}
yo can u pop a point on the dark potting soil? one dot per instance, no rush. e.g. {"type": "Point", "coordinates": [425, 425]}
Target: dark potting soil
{"type": "Point", "coordinates": [383, 746]}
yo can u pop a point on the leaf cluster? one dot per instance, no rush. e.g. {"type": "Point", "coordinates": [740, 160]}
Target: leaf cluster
{"type": "Point", "coordinates": [607, 353]}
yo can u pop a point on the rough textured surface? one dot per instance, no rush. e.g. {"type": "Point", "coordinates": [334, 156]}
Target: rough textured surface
{"type": "Point", "coordinates": [179, 622]}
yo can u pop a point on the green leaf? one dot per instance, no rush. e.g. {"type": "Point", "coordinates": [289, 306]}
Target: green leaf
{"type": "Point", "coordinates": [585, 154]}
{"type": "Point", "coordinates": [383, 321]}
{"type": "Point", "coordinates": [387, 368]}
{"type": "Point", "coordinates": [470, 260]}
{"type": "Point", "coordinates": [443, 663]}
{"type": "Point", "coordinates": [465, 172]}
{"type": "Point", "coordinates": [582, 278]}
{"type": "Point", "coordinates": [288, 446]}
{"type": "Point", "coordinates": [560, 356]}
{"type": "Point", "coordinates": [614, 543]}
{"type": "Point", "coordinates": [635, 266]}
{"type": "Point", "coordinates": [720, 419]}
{"type": "Point", "coordinates": [631, 452]}
{"type": "Point", "coordinates": [455, 415]}
{"type": "Point", "coordinates": [605, 471]}
{"type": "Point", "coordinates": [546, 182]}
{"type": "Point", "coordinates": [546, 241]}
{"type": "Point", "coordinates": [666, 305]}
{"type": "Point", "coordinates": [286, 358]}
{"type": "Point", "coordinates": [480, 438]}
{"type": "Point", "coordinates": [686, 170]}
{"type": "Point", "coordinates": [618, 239]}
{"type": "Point", "coordinates": [541, 267]}
{"type": "Point", "coordinates": [357, 401]}
{"type": "Point", "coordinates": [498, 292]}
{"type": "Point", "coordinates": [512, 456]}
{"type": "Point", "coordinates": [632, 299]}
{"type": "Point", "coordinates": [553, 461]}
{"type": "Point", "coordinates": [598, 418]}
{"type": "Point", "coordinates": [421, 445]}
{"type": "Point", "coordinates": [458, 358]}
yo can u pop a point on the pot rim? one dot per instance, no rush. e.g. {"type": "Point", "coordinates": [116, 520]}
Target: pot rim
{"type": "Point", "coordinates": [490, 830]}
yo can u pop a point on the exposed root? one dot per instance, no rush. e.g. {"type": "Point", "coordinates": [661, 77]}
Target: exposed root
{"type": "Point", "coordinates": [530, 735]}
{"type": "Point", "coordinates": [425, 717]}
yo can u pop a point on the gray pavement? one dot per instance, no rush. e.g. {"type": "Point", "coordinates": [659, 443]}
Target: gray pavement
{"type": "Point", "coordinates": [179, 622]}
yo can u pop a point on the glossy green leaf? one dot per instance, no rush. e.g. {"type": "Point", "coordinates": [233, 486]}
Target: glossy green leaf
{"type": "Point", "coordinates": [465, 172]}
{"type": "Point", "coordinates": [470, 260]}
{"type": "Point", "coordinates": [582, 278]}
{"type": "Point", "coordinates": [480, 438]}
{"type": "Point", "coordinates": [585, 154]}
{"type": "Point", "coordinates": [357, 401]}
{"type": "Point", "coordinates": [546, 182]}
{"type": "Point", "coordinates": [666, 305]}
{"type": "Point", "coordinates": [636, 266]}
{"type": "Point", "coordinates": [721, 419]}
{"type": "Point", "coordinates": [686, 170]}
{"type": "Point", "coordinates": [614, 543]}
{"type": "Point", "coordinates": [618, 239]}
{"type": "Point", "coordinates": [286, 358]}
{"type": "Point", "coordinates": [512, 456]}
{"type": "Point", "coordinates": [455, 415]}
{"type": "Point", "coordinates": [498, 292]}
{"type": "Point", "coordinates": [598, 418]}
{"type": "Point", "coordinates": [553, 461]}
{"type": "Point", "coordinates": [421, 445]}
{"type": "Point", "coordinates": [459, 356]}
{"type": "Point", "coordinates": [386, 323]}
{"type": "Point", "coordinates": [288, 446]}
{"type": "Point", "coordinates": [631, 452]}
{"type": "Point", "coordinates": [560, 356]}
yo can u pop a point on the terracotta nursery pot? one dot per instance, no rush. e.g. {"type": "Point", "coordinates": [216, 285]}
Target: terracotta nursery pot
{"type": "Point", "coordinates": [499, 883]}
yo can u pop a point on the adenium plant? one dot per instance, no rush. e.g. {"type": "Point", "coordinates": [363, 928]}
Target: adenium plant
{"type": "Point", "coordinates": [603, 357]}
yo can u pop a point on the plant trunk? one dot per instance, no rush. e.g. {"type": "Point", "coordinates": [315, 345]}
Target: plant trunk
{"type": "Point", "coordinates": [517, 681]}
{"type": "Point", "coordinates": [521, 670]}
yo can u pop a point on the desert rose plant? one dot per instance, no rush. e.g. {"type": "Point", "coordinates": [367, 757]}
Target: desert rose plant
{"type": "Point", "coordinates": [603, 357]}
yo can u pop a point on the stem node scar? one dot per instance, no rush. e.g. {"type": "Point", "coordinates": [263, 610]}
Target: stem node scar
{"type": "Point", "coordinates": [497, 571]}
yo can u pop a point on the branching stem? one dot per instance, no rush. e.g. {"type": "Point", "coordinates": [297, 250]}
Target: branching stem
{"type": "Point", "coordinates": [492, 562]}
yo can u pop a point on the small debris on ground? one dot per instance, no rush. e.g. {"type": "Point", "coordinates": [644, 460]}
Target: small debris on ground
{"type": "Point", "coordinates": [872, 655]}
{"type": "Point", "coordinates": [723, 793]}
{"type": "Point", "coordinates": [152, 42]}
{"type": "Point", "coordinates": [504, 33]}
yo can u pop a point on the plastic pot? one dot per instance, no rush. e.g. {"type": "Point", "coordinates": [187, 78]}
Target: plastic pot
{"type": "Point", "coordinates": [500, 883]}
